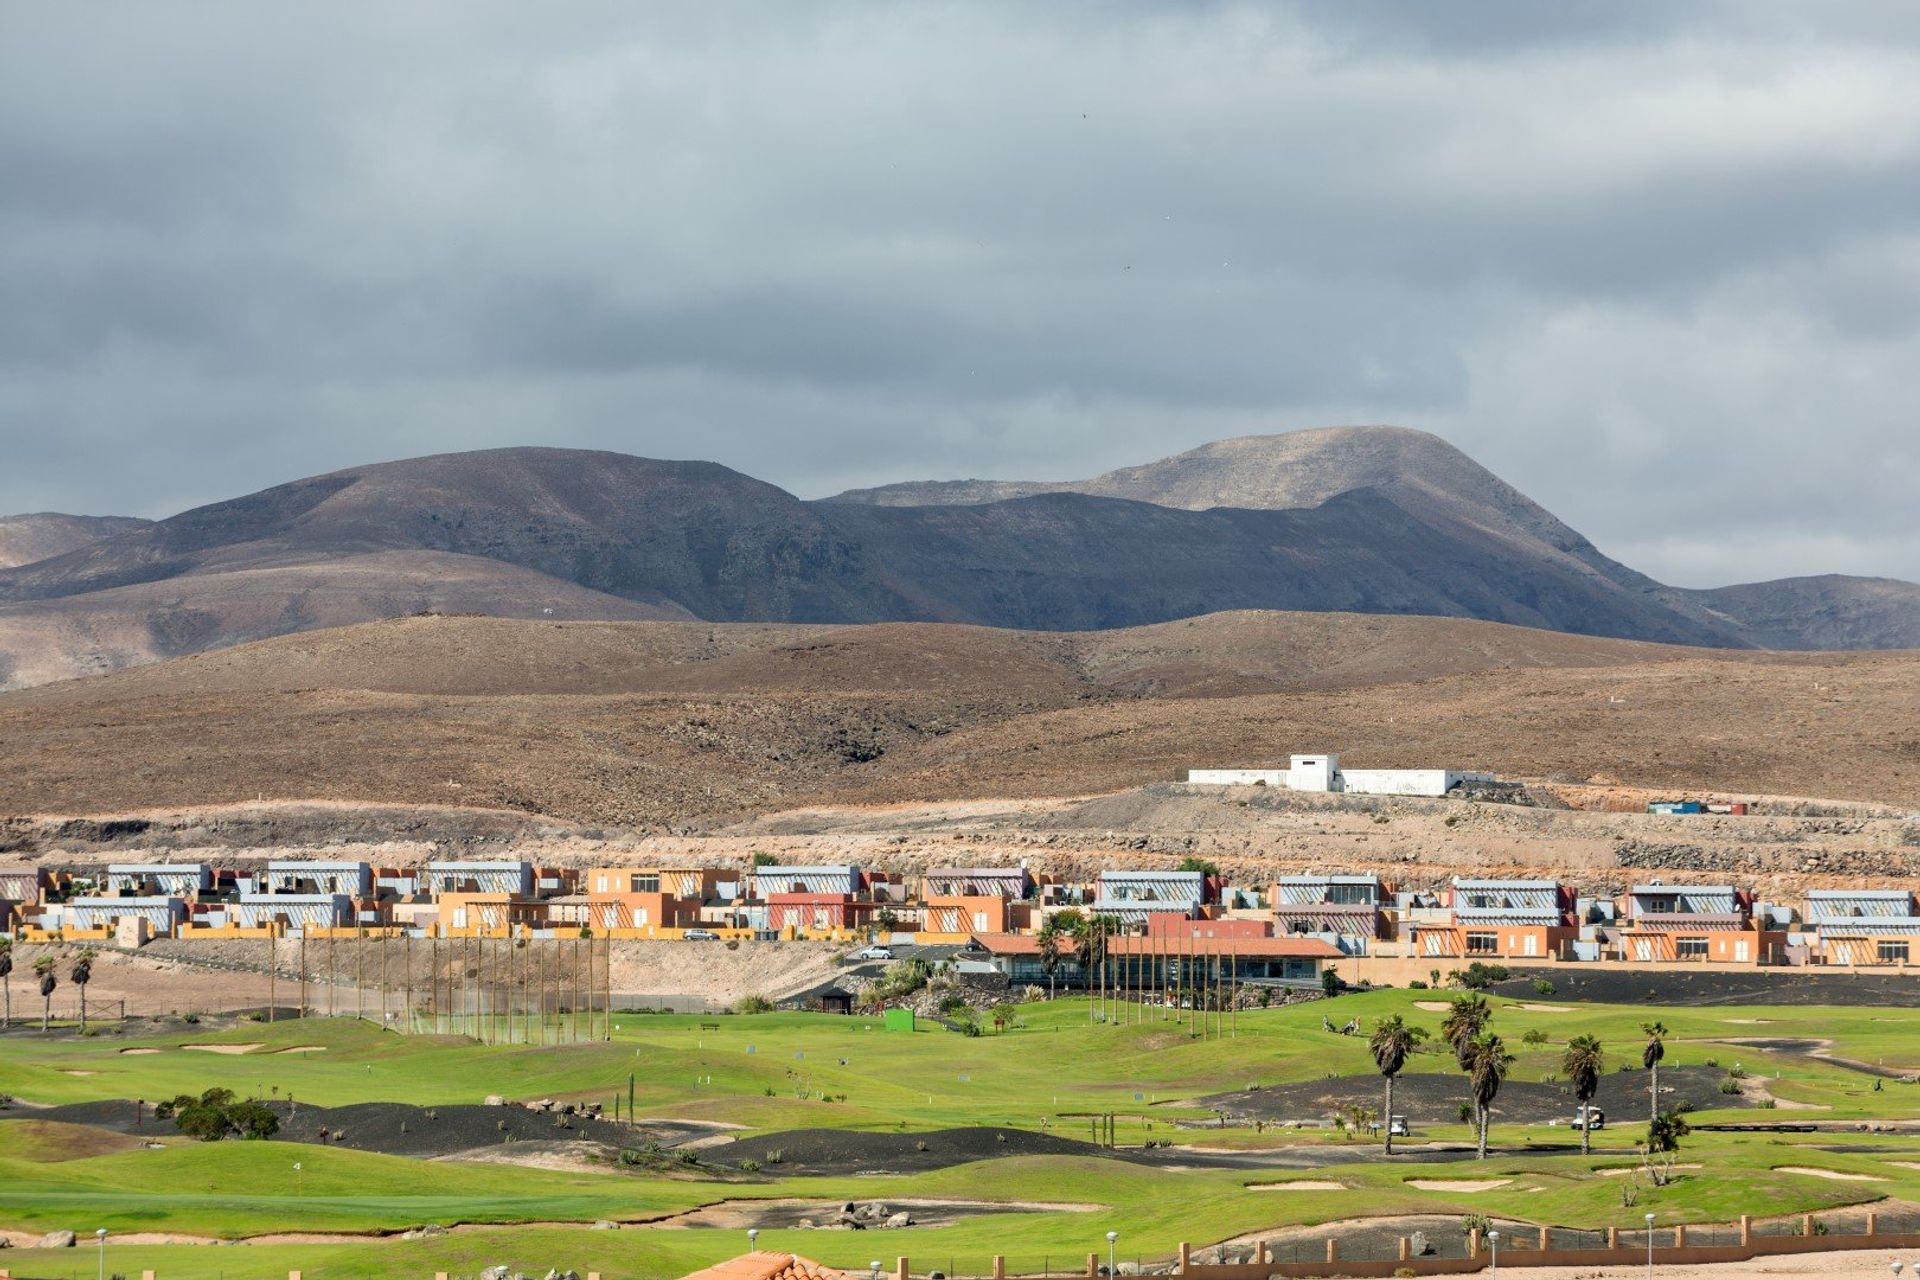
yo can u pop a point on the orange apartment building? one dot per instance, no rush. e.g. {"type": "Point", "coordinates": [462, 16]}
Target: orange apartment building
{"type": "Point", "coordinates": [968, 914]}
{"type": "Point", "coordinates": [1711, 924]}
{"type": "Point", "coordinates": [1497, 920]}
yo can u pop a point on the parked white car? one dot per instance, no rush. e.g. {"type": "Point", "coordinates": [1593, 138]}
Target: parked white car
{"type": "Point", "coordinates": [878, 951]}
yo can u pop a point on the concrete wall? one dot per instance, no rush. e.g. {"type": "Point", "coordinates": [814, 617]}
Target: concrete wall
{"type": "Point", "coordinates": [1237, 777]}
{"type": "Point", "coordinates": [1407, 782]}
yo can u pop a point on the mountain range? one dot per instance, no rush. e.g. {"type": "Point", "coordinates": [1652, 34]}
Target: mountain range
{"type": "Point", "coordinates": [1360, 519]}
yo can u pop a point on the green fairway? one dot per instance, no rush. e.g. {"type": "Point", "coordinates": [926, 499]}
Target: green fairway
{"type": "Point", "coordinates": [786, 1071]}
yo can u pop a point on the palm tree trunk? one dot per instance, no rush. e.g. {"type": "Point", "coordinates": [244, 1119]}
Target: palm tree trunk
{"type": "Point", "coordinates": [1586, 1129]}
{"type": "Point", "coordinates": [1483, 1131]}
{"type": "Point", "coordinates": [1653, 1095]}
{"type": "Point", "coordinates": [46, 1013]}
{"type": "Point", "coordinates": [1389, 1116]}
{"type": "Point", "coordinates": [6, 1019]}
{"type": "Point", "coordinates": [83, 1007]}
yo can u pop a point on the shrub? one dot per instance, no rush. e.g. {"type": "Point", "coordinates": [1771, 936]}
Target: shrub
{"type": "Point", "coordinates": [749, 1166]}
{"type": "Point", "coordinates": [1542, 987]}
{"type": "Point", "coordinates": [1416, 985]}
{"type": "Point", "coordinates": [1480, 974]}
{"type": "Point", "coordinates": [1534, 1036]}
{"type": "Point", "coordinates": [1730, 1086]}
{"type": "Point", "coordinates": [215, 1115]}
{"type": "Point", "coordinates": [753, 1004]}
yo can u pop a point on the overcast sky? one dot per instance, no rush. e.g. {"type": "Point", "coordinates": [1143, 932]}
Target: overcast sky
{"type": "Point", "coordinates": [1656, 264]}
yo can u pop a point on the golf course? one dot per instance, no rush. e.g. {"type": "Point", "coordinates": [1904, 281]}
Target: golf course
{"type": "Point", "coordinates": [1031, 1142]}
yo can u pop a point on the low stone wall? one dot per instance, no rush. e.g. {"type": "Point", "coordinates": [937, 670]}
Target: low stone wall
{"type": "Point", "coordinates": [1480, 1258]}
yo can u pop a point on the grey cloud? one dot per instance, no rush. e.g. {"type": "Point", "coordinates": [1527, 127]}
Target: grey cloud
{"type": "Point", "coordinates": [1654, 263]}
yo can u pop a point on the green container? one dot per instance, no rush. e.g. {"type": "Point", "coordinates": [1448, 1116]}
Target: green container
{"type": "Point", "coordinates": [898, 1020]}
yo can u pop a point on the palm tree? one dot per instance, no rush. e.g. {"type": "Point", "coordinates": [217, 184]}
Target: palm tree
{"type": "Point", "coordinates": [1488, 1063]}
{"type": "Point", "coordinates": [1582, 1064]}
{"type": "Point", "coordinates": [82, 974]}
{"type": "Point", "coordinates": [1656, 1049]}
{"type": "Point", "coordinates": [1392, 1041]}
{"type": "Point", "coordinates": [48, 981]}
{"type": "Point", "coordinates": [1464, 1023]}
{"type": "Point", "coordinates": [6, 980]}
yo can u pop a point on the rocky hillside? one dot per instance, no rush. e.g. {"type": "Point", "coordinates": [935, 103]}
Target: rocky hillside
{"type": "Point", "coordinates": [661, 725]}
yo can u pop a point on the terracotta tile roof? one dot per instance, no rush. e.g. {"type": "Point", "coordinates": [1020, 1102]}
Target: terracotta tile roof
{"type": "Point", "coordinates": [1021, 944]}
{"type": "Point", "coordinates": [762, 1265]}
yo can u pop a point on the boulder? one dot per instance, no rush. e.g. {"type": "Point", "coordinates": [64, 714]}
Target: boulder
{"type": "Point", "coordinates": [56, 1240]}
{"type": "Point", "coordinates": [900, 1220]}
{"type": "Point", "coordinates": [496, 1273]}
{"type": "Point", "coordinates": [494, 1100]}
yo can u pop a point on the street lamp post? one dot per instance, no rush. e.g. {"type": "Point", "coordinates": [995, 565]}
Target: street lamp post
{"type": "Point", "coordinates": [1493, 1243]}
{"type": "Point", "coordinates": [1112, 1238]}
{"type": "Point", "coordinates": [1649, 1247]}
{"type": "Point", "coordinates": [101, 1236]}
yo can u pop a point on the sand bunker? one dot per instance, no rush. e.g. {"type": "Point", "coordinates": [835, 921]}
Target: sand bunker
{"type": "Point", "coordinates": [1457, 1184]}
{"type": "Point", "coordinates": [304, 1048]}
{"type": "Point", "coordinates": [222, 1048]}
{"type": "Point", "coordinates": [1834, 1174]}
{"type": "Point", "coordinates": [1546, 1008]}
{"type": "Point", "coordinates": [1622, 1171]}
{"type": "Point", "coordinates": [1303, 1185]}
{"type": "Point", "coordinates": [1751, 1022]}
{"type": "Point", "coordinates": [1904, 1164]}
{"type": "Point", "coordinates": [76, 1071]}
{"type": "Point", "coordinates": [1432, 1006]}
{"type": "Point", "coordinates": [135, 1051]}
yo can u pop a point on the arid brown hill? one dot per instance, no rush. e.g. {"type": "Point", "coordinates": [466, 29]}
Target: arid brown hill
{"type": "Point", "coordinates": [656, 724]}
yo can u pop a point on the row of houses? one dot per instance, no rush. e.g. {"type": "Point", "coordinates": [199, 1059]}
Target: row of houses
{"type": "Point", "coordinates": [1466, 919]}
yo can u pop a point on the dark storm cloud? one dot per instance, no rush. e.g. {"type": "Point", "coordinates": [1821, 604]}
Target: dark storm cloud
{"type": "Point", "coordinates": [1658, 265]}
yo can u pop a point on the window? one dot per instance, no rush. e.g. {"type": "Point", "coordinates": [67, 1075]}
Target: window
{"type": "Point", "coordinates": [1690, 948]}
{"type": "Point", "coordinates": [1483, 944]}
{"type": "Point", "coordinates": [643, 884]}
{"type": "Point", "coordinates": [1893, 953]}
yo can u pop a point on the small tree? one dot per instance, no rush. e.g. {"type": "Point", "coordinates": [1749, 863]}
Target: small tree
{"type": "Point", "coordinates": [48, 982]}
{"type": "Point", "coordinates": [1582, 1064]}
{"type": "Point", "coordinates": [1048, 944]}
{"type": "Point", "coordinates": [1656, 1049]}
{"type": "Point", "coordinates": [1666, 1130]}
{"type": "Point", "coordinates": [82, 974]}
{"type": "Point", "coordinates": [1391, 1042]}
